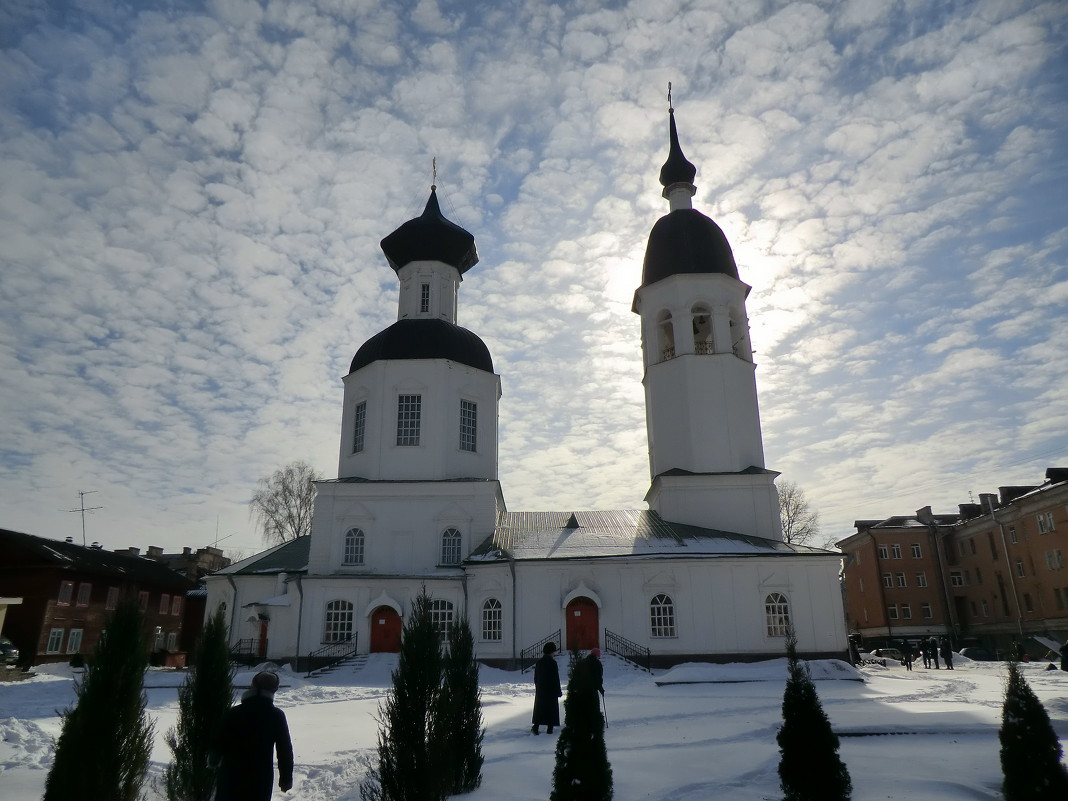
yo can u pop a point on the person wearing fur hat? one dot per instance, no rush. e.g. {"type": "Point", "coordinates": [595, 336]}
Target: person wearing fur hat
{"type": "Point", "coordinates": [596, 669]}
{"type": "Point", "coordinates": [250, 734]}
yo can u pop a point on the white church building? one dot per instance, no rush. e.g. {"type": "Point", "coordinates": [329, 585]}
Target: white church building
{"type": "Point", "coordinates": [702, 574]}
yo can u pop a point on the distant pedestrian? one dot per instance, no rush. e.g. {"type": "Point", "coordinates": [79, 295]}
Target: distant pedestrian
{"type": "Point", "coordinates": [906, 654]}
{"type": "Point", "coordinates": [596, 669]}
{"type": "Point", "coordinates": [546, 691]}
{"type": "Point", "coordinates": [249, 736]}
{"type": "Point", "coordinates": [947, 654]}
{"type": "Point", "coordinates": [924, 653]}
{"type": "Point", "coordinates": [854, 653]}
{"type": "Point", "coordinates": [933, 645]}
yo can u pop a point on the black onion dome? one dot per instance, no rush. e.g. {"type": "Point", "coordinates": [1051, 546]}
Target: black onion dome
{"type": "Point", "coordinates": [424, 339]}
{"type": "Point", "coordinates": [431, 237]}
{"type": "Point", "coordinates": [676, 170]}
{"type": "Point", "coordinates": [683, 242]}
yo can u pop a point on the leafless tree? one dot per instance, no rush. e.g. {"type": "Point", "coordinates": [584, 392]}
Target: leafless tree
{"type": "Point", "coordinates": [283, 503]}
{"type": "Point", "coordinates": [800, 522]}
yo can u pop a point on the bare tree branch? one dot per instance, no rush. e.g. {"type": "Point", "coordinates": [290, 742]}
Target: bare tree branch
{"type": "Point", "coordinates": [800, 522]}
{"type": "Point", "coordinates": [284, 502]}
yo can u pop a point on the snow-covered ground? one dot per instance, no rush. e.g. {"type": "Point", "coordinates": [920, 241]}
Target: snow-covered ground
{"type": "Point", "coordinates": [693, 733]}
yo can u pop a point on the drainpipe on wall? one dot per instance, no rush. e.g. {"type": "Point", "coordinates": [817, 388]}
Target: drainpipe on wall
{"type": "Point", "coordinates": [515, 633]}
{"type": "Point", "coordinates": [926, 517]}
{"type": "Point", "coordinates": [233, 612]}
{"type": "Point", "coordinates": [988, 502]}
{"type": "Point", "coordinates": [300, 618]}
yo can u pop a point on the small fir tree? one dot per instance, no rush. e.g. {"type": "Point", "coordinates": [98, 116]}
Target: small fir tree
{"type": "Point", "coordinates": [409, 766]}
{"type": "Point", "coordinates": [809, 766]}
{"type": "Point", "coordinates": [1030, 751]}
{"type": "Point", "coordinates": [459, 719]}
{"type": "Point", "coordinates": [582, 771]}
{"type": "Point", "coordinates": [106, 740]}
{"type": "Point", "coordinates": [202, 700]}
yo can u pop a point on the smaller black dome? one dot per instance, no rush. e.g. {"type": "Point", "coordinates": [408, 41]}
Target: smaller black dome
{"type": "Point", "coordinates": [431, 237]}
{"type": "Point", "coordinates": [686, 241]}
{"type": "Point", "coordinates": [424, 339]}
{"type": "Point", "coordinates": [677, 169]}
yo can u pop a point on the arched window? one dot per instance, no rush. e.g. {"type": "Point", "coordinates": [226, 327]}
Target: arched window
{"type": "Point", "coordinates": [338, 624]}
{"type": "Point", "coordinates": [353, 547]}
{"type": "Point", "coordinates": [662, 616]}
{"type": "Point", "coordinates": [665, 337]}
{"type": "Point", "coordinates": [777, 612]}
{"type": "Point", "coordinates": [702, 330]}
{"type": "Point", "coordinates": [451, 542]}
{"type": "Point", "coordinates": [441, 616]}
{"type": "Point", "coordinates": [492, 620]}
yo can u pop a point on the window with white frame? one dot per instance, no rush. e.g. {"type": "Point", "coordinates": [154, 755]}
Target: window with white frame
{"type": "Point", "coordinates": [66, 592]}
{"type": "Point", "coordinates": [441, 616]}
{"type": "Point", "coordinates": [906, 612]}
{"type": "Point", "coordinates": [451, 545]}
{"type": "Point", "coordinates": [172, 641]}
{"type": "Point", "coordinates": [884, 552]}
{"type": "Point", "coordinates": [1045, 522]}
{"type": "Point", "coordinates": [354, 542]}
{"type": "Point", "coordinates": [55, 641]}
{"type": "Point", "coordinates": [777, 614]}
{"type": "Point", "coordinates": [1054, 559]}
{"type": "Point", "coordinates": [468, 425]}
{"type": "Point", "coordinates": [891, 611]}
{"type": "Point", "coordinates": [956, 578]}
{"type": "Point", "coordinates": [176, 605]}
{"type": "Point", "coordinates": [895, 551]}
{"type": "Point", "coordinates": [917, 552]}
{"type": "Point", "coordinates": [74, 641]}
{"type": "Point", "coordinates": [901, 582]}
{"type": "Point", "coordinates": [112, 600]}
{"type": "Point", "coordinates": [921, 579]}
{"type": "Point", "coordinates": [337, 626]}
{"type": "Point", "coordinates": [1020, 570]}
{"type": "Point", "coordinates": [359, 426]}
{"type": "Point", "coordinates": [662, 616]}
{"type": "Point", "coordinates": [925, 610]}
{"type": "Point", "coordinates": [409, 412]}
{"type": "Point", "coordinates": [164, 603]}
{"type": "Point", "coordinates": [492, 620]}
{"type": "Point", "coordinates": [424, 298]}
{"type": "Point", "coordinates": [1012, 535]}
{"type": "Point", "coordinates": [85, 591]}
{"type": "Point", "coordinates": [888, 580]}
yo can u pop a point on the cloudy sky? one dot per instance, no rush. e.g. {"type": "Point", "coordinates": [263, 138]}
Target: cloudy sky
{"type": "Point", "coordinates": [192, 196]}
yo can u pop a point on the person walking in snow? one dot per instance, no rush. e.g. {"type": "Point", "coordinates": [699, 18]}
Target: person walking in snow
{"type": "Point", "coordinates": [933, 646]}
{"type": "Point", "coordinates": [906, 654]}
{"type": "Point", "coordinates": [547, 691]}
{"type": "Point", "coordinates": [248, 738]}
{"type": "Point", "coordinates": [947, 654]}
{"type": "Point", "coordinates": [596, 669]}
{"type": "Point", "coordinates": [924, 653]}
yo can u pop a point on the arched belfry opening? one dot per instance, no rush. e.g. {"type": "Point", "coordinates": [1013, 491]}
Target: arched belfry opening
{"type": "Point", "coordinates": [665, 331]}
{"type": "Point", "coordinates": [701, 316]}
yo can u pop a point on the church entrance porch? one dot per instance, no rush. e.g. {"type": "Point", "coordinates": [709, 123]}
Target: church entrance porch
{"type": "Point", "coordinates": [385, 631]}
{"type": "Point", "coordinates": [582, 624]}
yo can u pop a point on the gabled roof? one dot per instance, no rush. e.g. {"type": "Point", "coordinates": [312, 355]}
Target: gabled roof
{"type": "Point", "coordinates": [631, 532]}
{"type": "Point", "coordinates": [289, 557]}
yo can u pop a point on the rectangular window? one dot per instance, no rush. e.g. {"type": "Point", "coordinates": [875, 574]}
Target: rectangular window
{"type": "Point", "coordinates": [861, 582]}
{"type": "Point", "coordinates": [424, 298]}
{"type": "Point", "coordinates": [66, 592]}
{"type": "Point", "coordinates": [906, 612]}
{"type": "Point", "coordinates": [176, 605]}
{"type": "Point", "coordinates": [1020, 568]}
{"type": "Point", "coordinates": [1012, 535]}
{"type": "Point", "coordinates": [963, 549]}
{"type": "Point", "coordinates": [74, 641]}
{"type": "Point", "coordinates": [55, 641]}
{"type": "Point", "coordinates": [896, 551]}
{"type": "Point", "coordinates": [409, 409]}
{"type": "Point", "coordinates": [993, 547]}
{"type": "Point", "coordinates": [164, 603]}
{"type": "Point", "coordinates": [986, 608]}
{"type": "Point", "coordinates": [359, 425]}
{"type": "Point", "coordinates": [468, 425]}
{"type": "Point", "coordinates": [85, 591]}
{"type": "Point", "coordinates": [975, 609]}
{"type": "Point", "coordinates": [142, 601]}
{"type": "Point", "coordinates": [888, 580]}
{"type": "Point", "coordinates": [884, 553]}
{"type": "Point", "coordinates": [926, 611]}
{"type": "Point", "coordinates": [1028, 606]}
{"type": "Point", "coordinates": [921, 579]}
{"type": "Point", "coordinates": [1054, 559]}
{"type": "Point", "coordinates": [978, 576]}
{"type": "Point", "coordinates": [901, 580]}
{"type": "Point", "coordinates": [1045, 522]}
{"type": "Point", "coordinates": [917, 553]}
{"type": "Point", "coordinates": [956, 579]}
{"type": "Point", "coordinates": [1058, 598]}
{"type": "Point", "coordinates": [891, 611]}
{"type": "Point", "coordinates": [112, 599]}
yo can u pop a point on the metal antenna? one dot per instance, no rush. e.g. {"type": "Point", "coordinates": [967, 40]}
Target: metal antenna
{"type": "Point", "coordinates": [83, 509]}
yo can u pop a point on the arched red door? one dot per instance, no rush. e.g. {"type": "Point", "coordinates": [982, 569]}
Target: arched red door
{"type": "Point", "coordinates": [582, 625]}
{"type": "Point", "coordinates": [385, 631]}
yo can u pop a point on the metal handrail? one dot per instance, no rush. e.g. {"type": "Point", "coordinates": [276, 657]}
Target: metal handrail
{"type": "Point", "coordinates": [247, 651]}
{"type": "Point", "coordinates": [528, 656]}
{"type": "Point", "coordinates": [331, 654]}
{"type": "Point", "coordinates": [639, 655]}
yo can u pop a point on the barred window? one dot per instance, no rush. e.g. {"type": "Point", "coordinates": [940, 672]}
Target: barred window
{"type": "Point", "coordinates": [424, 298]}
{"type": "Point", "coordinates": [338, 625]}
{"type": "Point", "coordinates": [468, 425]}
{"type": "Point", "coordinates": [441, 616]}
{"type": "Point", "coordinates": [492, 620]}
{"type": "Point", "coordinates": [354, 547]}
{"type": "Point", "coordinates": [409, 408]}
{"type": "Point", "coordinates": [359, 426]}
{"type": "Point", "coordinates": [777, 612]}
{"type": "Point", "coordinates": [451, 543]}
{"type": "Point", "coordinates": [662, 616]}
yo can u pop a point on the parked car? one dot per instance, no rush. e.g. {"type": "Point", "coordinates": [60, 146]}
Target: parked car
{"type": "Point", "coordinates": [888, 653]}
{"type": "Point", "coordinates": [977, 654]}
{"type": "Point", "coordinates": [9, 653]}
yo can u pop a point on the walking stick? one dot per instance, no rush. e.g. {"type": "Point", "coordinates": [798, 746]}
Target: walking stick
{"type": "Point", "coordinates": [605, 705]}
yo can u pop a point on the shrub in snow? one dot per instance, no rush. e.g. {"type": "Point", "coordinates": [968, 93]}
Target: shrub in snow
{"type": "Point", "coordinates": [582, 771]}
{"type": "Point", "coordinates": [106, 740]}
{"type": "Point", "coordinates": [809, 766]}
{"type": "Point", "coordinates": [459, 715]}
{"type": "Point", "coordinates": [1030, 752]}
{"type": "Point", "coordinates": [203, 699]}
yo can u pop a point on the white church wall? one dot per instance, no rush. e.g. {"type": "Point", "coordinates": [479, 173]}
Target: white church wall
{"type": "Point", "coordinates": [742, 503]}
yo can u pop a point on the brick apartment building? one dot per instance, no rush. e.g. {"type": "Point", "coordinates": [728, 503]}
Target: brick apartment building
{"type": "Point", "coordinates": [990, 574]}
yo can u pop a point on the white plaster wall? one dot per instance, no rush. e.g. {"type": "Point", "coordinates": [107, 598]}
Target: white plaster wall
{"type": "Point", "coordinates": [741, 503]}
{"type": "Point", "coordinates": [444, 281]}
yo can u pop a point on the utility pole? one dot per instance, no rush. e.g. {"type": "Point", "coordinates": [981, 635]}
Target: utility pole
{"type": "Point", "coordinates": [83, 509]}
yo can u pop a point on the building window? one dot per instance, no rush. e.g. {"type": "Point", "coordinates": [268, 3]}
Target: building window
{"type": "Point", "coordinates": [451, 543]}
{"type": "Point", "coordinates": [1054, 559]}
{"type": "Point", "coordinates": [338, 625]}
{"type": "Point", "coordinates": [468, 425]}
{"type": "Point", "coordinates": [66, 592]}
{"type": "Point", "coordinates": [112, 599]}
{"type": "Point", "coordinates": [492, 620]}
{"type": "Point", "coordinates": [917, 553]}
{"type": "Point", "coordinates": [354, 540]}
{"type": "Point", "coordinates": [975, 609]}
{"type": "Point", "coordinates": [1045, 522]}
{"type": "Point", "coordinates": [172, 641]}
{"type": "Point", "coordinates": [359, 426]}
{"type": "Point", "coordinates": [1012, 535]}
{"type": "Point", "coordinates": [142, 601]}
{"type": "Point", "coordinates": [884, 552]}
{"type": "Point", "coordinates": [424, 298]}
{"type": "Point", "coordinates": [777, 613]}
{"type": "Point", "coordinates": [74, 641]}
{"type": "Point", "coordinates": [891, 611]}
{"type": "Point", "coordinates": [956, 578]}
{"type": "Point", "coordinates": [921, 579]}
{"type": "Point", "coordinates": [164, 604]}
{"type": "Point", "coordinates": [888, 580]}
{"type": "Point", "coordinates": [986, 608]}
{"type": "Point", "coordinates": [176, 605]}
{"type": "Point", "coordinates": [860, 581]}
{"type": "Point", "coordinates": [1020, 571]}
{"type": "Point", "coordinates": [901, 580]}
{"type": "Point", "coordinates": [55, 641]}
{"type": "Point", "coordinates": [925, 610]}
{"type": "Point", "coordinates": [993, 547]}
{"type": "Point", "coordinates": [441, 616]}
{"type": "Point", "coordinates": [906, 612]}
{"type": "Point", "coordinates": [85, 590]}
{"type": "Point", "coordinates": [662, 616]}
{"type": "Point", "coordinates": [409, 408]}
{"type": "Point", "coordinates": [1028, 606]}
{"type": "Point", "coordinates": [158, 639]}
{"type": "Point", "coordinates": [896, 551]}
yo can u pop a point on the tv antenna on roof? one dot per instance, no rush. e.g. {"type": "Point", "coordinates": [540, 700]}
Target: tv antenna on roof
{"type": "Point", "coordinates": [83, 509]}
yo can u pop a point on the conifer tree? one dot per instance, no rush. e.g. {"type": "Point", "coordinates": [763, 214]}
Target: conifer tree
{"type": "Point", "coordinates": [409, 766]}
{"type": "Point", "coordinates": [809, 766]}
{"type": "Point", "coordinates": [459, 729]}
{"type": "Point", "coordinates": [1030, 751]}
{"type": "Point", "coordinates": [582, 771]}
{"type": "Point", "coordinates": [206, 695]}
{"type": "Point", "coordinates": [104, 746]}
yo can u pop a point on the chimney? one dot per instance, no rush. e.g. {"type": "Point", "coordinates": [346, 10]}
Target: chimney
{"type": "Point", "coordinates": [925, 516]}
{"type": "Point", "coordinates": [69, 539]}
{"type": "Point", "coordinates": [154, 552]}
{"type": "Point", "coordinates": [989, 501]}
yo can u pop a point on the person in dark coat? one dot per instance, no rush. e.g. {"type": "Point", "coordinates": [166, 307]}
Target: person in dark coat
{"type": "Point", "coordinates": [249, 736]}
{"type": "Point", "coordinates": [947, 654]}
{"type": "Point", "coordinates": [934, 652]}
{"type": "Point", "coordinates": [596, 669]}
{"type": "Point", "coordinates": [546, 691]}
{"type": "Point", "coordinates": [906, 654]}
{"type": "Point", "coordinates": [924, 652]}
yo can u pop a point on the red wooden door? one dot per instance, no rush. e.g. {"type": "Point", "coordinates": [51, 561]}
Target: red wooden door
{"type": "Point", "coordinates": [385, 631]}
{"type": "Point", "coordinates": [582, 625]}
{"type": "Point", "coordinates": [263, 640]}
